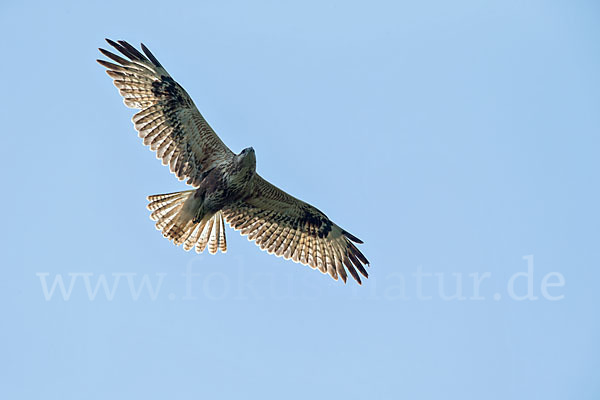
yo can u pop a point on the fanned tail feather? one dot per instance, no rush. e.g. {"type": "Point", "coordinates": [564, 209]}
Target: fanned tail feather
{"type": "Point", "coordinates": [178, 225]}
{"type": "Point", "coordinates": [212, 235]}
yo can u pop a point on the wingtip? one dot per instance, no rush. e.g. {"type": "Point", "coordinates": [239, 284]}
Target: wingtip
{"type": "Point", "coordinates": [104, 63]}
{"type": "Point", "coordinates": [151, 56]}
{"type": "Point", "coordinates": [344, 277]}
{"type": "Point", "coordinates": [352, 237]}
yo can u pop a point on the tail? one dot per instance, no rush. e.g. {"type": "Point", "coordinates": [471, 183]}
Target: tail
{"type": "Point", "coordinates": [173, 217]}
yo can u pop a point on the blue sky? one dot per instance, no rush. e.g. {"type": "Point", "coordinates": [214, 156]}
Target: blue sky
{"type": "Point", "coordinates": [459, 140]}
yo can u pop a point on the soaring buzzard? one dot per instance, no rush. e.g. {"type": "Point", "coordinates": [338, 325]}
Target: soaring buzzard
{"type": "Point", "coordinates": [226, 185]}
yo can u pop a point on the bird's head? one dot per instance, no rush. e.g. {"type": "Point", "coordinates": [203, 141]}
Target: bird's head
{"type": "Point", "coordinates": [247, 158]}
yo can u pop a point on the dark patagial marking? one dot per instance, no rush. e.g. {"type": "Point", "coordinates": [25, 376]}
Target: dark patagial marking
{"type": "Point", "coordinates": [321, 224]}
{"type": "Point", "coordinates": [172, 101]}
{"type": "Point", "coordinates": [167, 87]}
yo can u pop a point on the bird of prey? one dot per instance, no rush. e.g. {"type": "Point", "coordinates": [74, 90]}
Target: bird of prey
{"type": "Point", "coordinates": [226, 187]}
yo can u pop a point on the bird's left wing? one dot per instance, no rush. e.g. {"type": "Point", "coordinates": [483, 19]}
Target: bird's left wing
{"type": "Point", "coordinates": [169, 122]}
{"type": "Point", "coordinates": [285, 226]}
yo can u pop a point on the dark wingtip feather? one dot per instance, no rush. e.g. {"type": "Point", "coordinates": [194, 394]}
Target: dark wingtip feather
{"type": "Point", "coordinates": [358, 254]}
{"type": "Point", "coordinates": [104, 51]}
{"type": "Point", "coordinates": [126, 49]}
{"type": "Point", "coordinates": [352, 271]}
{"type": "Point", "coordinates": [114, 57]}
{"type": "Point", "coordinates": [112, 43]}
{"type": "Point", "coordinates": [132, 52]}
{"type": "Point", "coordinates": [358, 265]}
{"type": "Point", "coordinates": [106, 64]}
{"type": "Point", "coordinates": [352, 237]}
{"type": "Point", "coordinates": [150, 55]}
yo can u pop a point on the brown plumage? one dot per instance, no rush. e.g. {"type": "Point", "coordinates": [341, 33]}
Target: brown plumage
{"type": "Point", "coordinates": [226, 185]}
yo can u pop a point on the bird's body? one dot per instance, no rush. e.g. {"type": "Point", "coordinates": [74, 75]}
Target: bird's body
{"type": "Point", "coordinates": [226, 185]}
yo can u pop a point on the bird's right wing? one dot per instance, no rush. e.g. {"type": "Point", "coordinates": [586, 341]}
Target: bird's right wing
{"type": "Point", "coordinates": [285, 226]}
{"type": "Point", "coordinates": [169, 122]}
